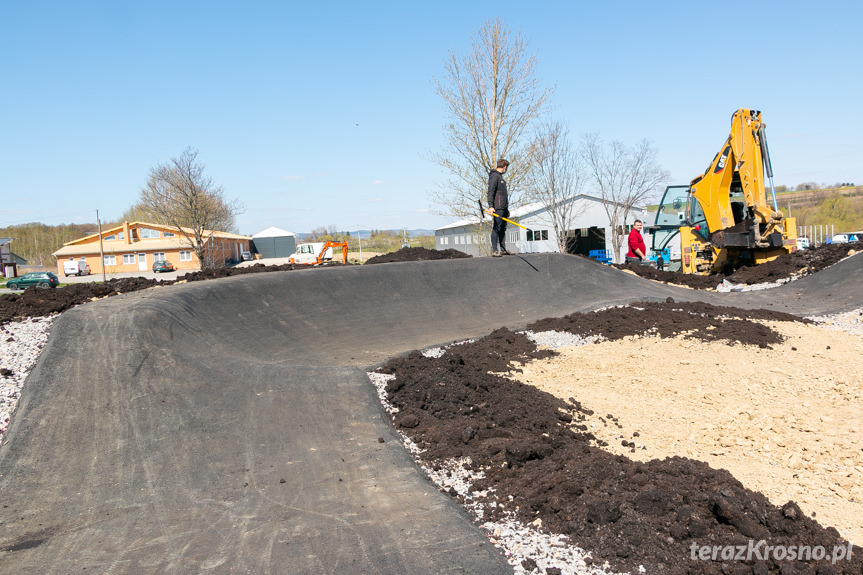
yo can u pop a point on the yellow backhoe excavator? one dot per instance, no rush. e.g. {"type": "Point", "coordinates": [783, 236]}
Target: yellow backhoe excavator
{"type": "Point", "coordinates": [727, 221]}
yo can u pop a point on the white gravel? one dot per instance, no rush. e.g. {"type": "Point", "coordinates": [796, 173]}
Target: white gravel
{"type": "Point", "coordinates": [20, 345]}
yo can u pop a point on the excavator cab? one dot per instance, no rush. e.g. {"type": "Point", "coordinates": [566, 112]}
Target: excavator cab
{"type": "Point", "coordinates": [670, 215]}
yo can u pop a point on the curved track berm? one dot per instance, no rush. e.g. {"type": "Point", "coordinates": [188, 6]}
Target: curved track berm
{"type": "Point", "coordinates": [228, 426]}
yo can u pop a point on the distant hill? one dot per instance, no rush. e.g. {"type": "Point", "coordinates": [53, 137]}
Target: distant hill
{"type": "Point", "coordinates": [411, 233]}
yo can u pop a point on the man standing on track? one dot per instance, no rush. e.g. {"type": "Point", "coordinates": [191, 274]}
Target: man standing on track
{"type": "Point", "coordinates": [498, 203]}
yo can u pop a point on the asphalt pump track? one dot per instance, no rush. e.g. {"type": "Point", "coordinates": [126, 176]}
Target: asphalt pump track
{"type": "Point", "coordinates": [228, 426]}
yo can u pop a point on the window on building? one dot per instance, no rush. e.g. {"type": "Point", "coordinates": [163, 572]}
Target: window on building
{"type": "Point", "coordinates": [133, 234]}
{"type": "Point", "coordinates": [128, 259]}
{"type": "Point", "coordinates": [120, 236]}
{"type": "Point", "coordinates": [167, 234]}
{"type": "Point", "coordinates": [147, 233]}
{"type": "Point", "coordinates": [159, 256]}
{"type": "Point", "coordinates": [111, 237]}
{"type": "Point", "coordinates": [537, 235]}
{"type": "Point", "coordinates": [185, 256]}
{"type": "Point", "coordinates": [109, 260]}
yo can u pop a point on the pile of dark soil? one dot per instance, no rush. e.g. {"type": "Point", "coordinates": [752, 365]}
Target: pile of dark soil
{"type": "Point", "coordinates": [35, 302]}
{"type": "Point", "coordinates": [541, 462]}
{"type": "Point", "coordinates": [801, 262]}
{"type": "Point", "coordinates": [216, 273]}
{"type": "Point", "coordinates": [706, 322]}
{"type": "Point", "coordinates": [417, 254]}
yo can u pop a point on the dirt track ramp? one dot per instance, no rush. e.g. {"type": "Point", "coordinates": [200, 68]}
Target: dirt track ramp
{"type": "Point", "coordinates": [226, 426]}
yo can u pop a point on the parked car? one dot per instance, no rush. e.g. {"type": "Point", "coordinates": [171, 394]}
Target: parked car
{"type": "Point", "coordinates": [247, 256]}
{"type": "Point", "coordinates": [76, 268]}
{"type": "Point", "coordinates": [44, 280]}
{"type": "Point", "coordinates": [163, 266]}
{"type": "Point", "coordinates": [802, 243]}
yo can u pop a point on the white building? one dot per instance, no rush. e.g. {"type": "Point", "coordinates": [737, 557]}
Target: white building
{"type": "Point", "coordinates": [589, 230]}
{"type": "Point", "coordinates": [274, 242]}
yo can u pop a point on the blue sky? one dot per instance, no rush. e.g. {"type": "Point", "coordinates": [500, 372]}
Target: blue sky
{"type": "Point", "coordinates": [324, 114]}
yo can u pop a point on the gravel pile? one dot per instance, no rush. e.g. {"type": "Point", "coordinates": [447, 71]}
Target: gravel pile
{"type": "Point", "coordinates": [849, 322]}
{"type": "Point", "coordinates": [20, 345]}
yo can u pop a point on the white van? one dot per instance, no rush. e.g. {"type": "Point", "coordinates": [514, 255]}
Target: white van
{"type": "Point", "coordinates": [76, 268]}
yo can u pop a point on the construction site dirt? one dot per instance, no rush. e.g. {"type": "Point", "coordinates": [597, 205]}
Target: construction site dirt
{"type": "Point", "coordinates": [551, 456]}
{"type": "Point", "coordinates": [795, 264]}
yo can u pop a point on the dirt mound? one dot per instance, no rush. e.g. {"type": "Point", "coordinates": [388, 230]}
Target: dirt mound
{"type": "Point", "coordinates": [35, 302]}
{"type": "Point", "coordinates": [696, 320]}
{"type": "Point", "coordinates": [541, 461]}
{"type": "Point", "coordinates": [417, 254]}
{"type": "Point", "coordinates": [801, 262]}
{"type": "Point", "coordinates": [257, 268]}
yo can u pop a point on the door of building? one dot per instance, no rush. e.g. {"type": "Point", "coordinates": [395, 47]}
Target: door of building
{"type": "Point", "coordinates": [584, 240]}
{"type": "Point", "coordinates": [142, 262]}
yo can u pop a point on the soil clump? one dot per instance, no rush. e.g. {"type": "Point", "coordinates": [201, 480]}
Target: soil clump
{"type": "Point", "coordinates": [543, 464]}
{"type": "Point", "coordinates": [798, 263]}
{"type": "Point", "coordinates": [417, 254]}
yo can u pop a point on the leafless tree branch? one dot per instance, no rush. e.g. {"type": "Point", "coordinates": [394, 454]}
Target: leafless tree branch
{"type": "Point", "coordinates": [625, 177]}
{"type": "Point", "coordinates": [492, 97]}
{"type": "Point", "coordinates": [181, 195]}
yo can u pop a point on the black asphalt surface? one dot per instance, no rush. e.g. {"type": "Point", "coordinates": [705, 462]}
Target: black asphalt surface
{"type": "Point", "coordinates": [228, 426]}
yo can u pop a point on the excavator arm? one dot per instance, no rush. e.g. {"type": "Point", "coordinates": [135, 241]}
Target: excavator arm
{"type": "Point", "coordinates": [335, 245]}
{"type": "Point", "coordinates": [729, 220]}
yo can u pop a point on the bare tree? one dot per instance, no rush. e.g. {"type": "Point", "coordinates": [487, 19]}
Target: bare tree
{"type": "Point", "coordinates": [180, 195]}
{"type": "Point", "coordinates": [625, 177]}
{"type": "Point", "coordinates": [492, 98]}
{"type": "Point", "coordinates": [557, 177]}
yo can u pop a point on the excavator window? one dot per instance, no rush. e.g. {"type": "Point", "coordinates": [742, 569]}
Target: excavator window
{"type": "Point", "coordinates": [696, 216]}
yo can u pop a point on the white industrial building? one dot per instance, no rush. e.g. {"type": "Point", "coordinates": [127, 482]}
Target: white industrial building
{"type": "Point", "coordinates": [589, 230]}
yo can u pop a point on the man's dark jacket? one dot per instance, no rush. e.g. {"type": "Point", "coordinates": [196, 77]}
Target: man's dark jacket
{"type": "Point", "coordinates": [497, 196]}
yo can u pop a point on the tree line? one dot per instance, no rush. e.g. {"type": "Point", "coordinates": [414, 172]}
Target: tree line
{"type": "Point", "coordinates": [35, 242]}
{"type": "Point", "coordinates": [832, 206]}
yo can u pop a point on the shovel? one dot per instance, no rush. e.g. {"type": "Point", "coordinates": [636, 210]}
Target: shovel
{"type": "Point", "coordinates": [483, 212]}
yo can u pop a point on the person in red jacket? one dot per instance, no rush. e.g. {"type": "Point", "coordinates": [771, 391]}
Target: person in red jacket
{"type": "Point", "coordinates": [637, 250]}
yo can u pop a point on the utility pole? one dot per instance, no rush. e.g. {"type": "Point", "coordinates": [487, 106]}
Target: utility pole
{"type": "Point", "coordinates": [101, 248]}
